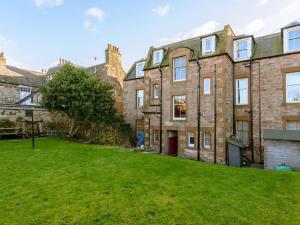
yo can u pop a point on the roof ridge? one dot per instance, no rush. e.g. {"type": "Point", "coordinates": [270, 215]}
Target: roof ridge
{"type": "Point", "coordinates": [189, 39]}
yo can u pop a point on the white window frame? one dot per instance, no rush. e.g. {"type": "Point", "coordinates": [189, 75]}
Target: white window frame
{"type": "Point", "coordinates": [139, 73]}
{"type": "Point", "coordinates": [296, 123]}
{"type": "Point", "coordinates": [173, 104]}
{"type": "Point", "coordinates": [212, 49]}
{"type": "Point", "coordinates": [237, 92]}
{"type": "Point", "coordinates": [286, 39]}
{"type": "Point", "coordinates": [160, 54]}
{"type": "Point", "coordinates": [155, 91]}
{"type": "Point", "coordinates": [249, 49]}
{"type": "Point", "coordinates": [207, 85]}
{"type": "Point", "coordinates": [28, 91]}
{"type": "Point", "coordinates": [287, 86]}
{"type": "Point", "coordinates": [191, 135]}
{"type": "Point", "coordinates": [138, 92]}
{"type": "Point", "coordinates": [205, 146]}
{"type": "Point", "coordinates": [174, 68]}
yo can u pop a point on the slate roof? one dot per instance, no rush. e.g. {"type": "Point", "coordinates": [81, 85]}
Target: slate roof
{"type": "Point", "coordinates": [132, 71]}
{"type": "Point", "coordinates": [14, 75]}
{"type": "Point", "coordinates": [193, 43]}
{"type": "Point", "coordinates": [91, 69]}
{"type": "Point", "coordinates": [268, 46]}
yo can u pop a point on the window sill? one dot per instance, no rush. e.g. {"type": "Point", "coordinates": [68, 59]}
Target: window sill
{"type": "Point", "coordinates": [290, 104]}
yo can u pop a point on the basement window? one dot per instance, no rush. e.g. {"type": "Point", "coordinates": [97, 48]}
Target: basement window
{"type": "Point", "coordinates": [191, 139]}
{"type": "Point", "coordinates": [140, 69]}
{"type": "Point", "coordinates": [241, 91]}
{"type": "Point", "coordinates": [179, 107]}
{"type": "Point", "coordinates": [208, 45]}
{"type": "Point", "coordinates": [293, 125]}
{"type": "Point", "coordinates": [292, 39]}
{"type": "Point", "coordinates": [206, 140]}
{"type": "Point", "coordinates": [293, 87]}
{"type": "Point", "coordinates": [179, 65]}
{"type": "Point", "coordinates": [158, 56]}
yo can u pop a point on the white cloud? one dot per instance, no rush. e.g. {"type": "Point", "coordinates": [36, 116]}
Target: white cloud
{"type": "Point", "coordinates": [49, 3]}
{"type": "Point", "coordinates": [291, 7]}
{"type": "Point", "coordinates": [87, 24]}
{"type": "Point", "coordinates": [255, 26]}
{"type": "Point", "coordinates": [96, 13]}
{"type": "Point", "coordinates": [262, 2]}
{"type": "Point", "coordinates": [205, 28]}
{"type": "Point", "coordinates": [162, 10]}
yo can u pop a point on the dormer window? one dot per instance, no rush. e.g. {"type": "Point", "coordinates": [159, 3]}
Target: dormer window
{"type": "Point", "coordinates": [292, 39]}
{"type": "Point", "coordinates": [208, 45]}
{"type": "Point", "coordinates": [140, 69]}
{"type": "Point", "coordinates": [158, 56]}
{"type": "Point", "coordinates": [242, 49]}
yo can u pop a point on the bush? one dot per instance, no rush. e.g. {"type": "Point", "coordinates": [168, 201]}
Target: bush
{"type": "Point", "coordinates": [5, 123]}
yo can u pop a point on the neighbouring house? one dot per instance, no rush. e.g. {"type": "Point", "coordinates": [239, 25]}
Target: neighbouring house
{"type": "Point", "coordinates": [189, 96]}
{"type": "Point", "coordinates": [110, 71]}
{"type": "Point", "coordinates": [19, 88]}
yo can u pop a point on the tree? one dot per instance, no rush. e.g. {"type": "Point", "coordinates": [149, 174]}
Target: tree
{"type": "Point", "coordinates": [83, 97]}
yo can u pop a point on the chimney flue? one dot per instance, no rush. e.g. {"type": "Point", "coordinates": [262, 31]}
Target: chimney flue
{"type": "Point", "coordinates": [2, 59]}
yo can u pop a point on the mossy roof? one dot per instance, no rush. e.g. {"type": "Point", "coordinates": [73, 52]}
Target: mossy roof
{"type": "Point", "coordinates": [268, 46]}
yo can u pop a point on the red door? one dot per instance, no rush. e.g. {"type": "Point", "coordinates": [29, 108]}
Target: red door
{"type": "Point", "coordinates": [173, 145]}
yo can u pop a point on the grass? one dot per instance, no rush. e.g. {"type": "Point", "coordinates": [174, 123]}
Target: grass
{"type": "Point", "coordinates": [69, 183]}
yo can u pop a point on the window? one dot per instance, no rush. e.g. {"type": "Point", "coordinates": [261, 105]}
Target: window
{"type": "Point", "coordinates": [242, 49]}
{"type": "Point", "coordinates": [155, 91]}
{"type": "Point", "coordinates": [208, 45]}
{"type": "Point", "coordinates": [24, 92]}
{"type": "Point", "coordinates": [241, 91]}
{"type": "Point", "coordinates": [191, 139]}
{"type": "Point", "coordinates": [179, 65]}
{"type": "Point", "coordinates": [158, 56]}
{"type": "Point", "coordinates": [140, 69]}
{"type": "Point", "coordinates": [206, 140]}
{"type": "Point", "coordinates": [293, 87]}
{"type": "Point", "coordinates": [155, 135]}
{"type": "Point", "coordinates": [179, 108]}
{"type": "Point", "coordinates": [292, 39]}
{"type": "Point", "coordinates": [242, 131]}
{"type": "Point", "coordinates": [206, 84]}
{"type": "Point", "coordinates": [139, 98]}
{"type": "Point", "coordinates": [293, 125]}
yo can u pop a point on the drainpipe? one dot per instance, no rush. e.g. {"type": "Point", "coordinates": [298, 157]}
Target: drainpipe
{"type": "Point", "coordinates": [199, 110]}
{"type": "Point", "coordinates": [251, 108]}
{"type": "Point", "coordinates": [160, 117]}
{"type": "Point", "coordinates": [233, 97]}
{"type": "Point", "coordinates": [215, 116]}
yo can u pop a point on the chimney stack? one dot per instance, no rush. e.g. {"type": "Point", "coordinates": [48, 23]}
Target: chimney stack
{"type": "Point", "coordinates": [2, 59]}
{"type": "Point", "coordinates": [112, 55]}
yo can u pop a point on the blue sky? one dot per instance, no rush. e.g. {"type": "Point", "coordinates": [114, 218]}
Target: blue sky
{"type": "Point", "coordinates": [35, 33]}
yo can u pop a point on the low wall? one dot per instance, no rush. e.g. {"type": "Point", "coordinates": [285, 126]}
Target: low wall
{"type": "Point", "coordinates": [282, 147]}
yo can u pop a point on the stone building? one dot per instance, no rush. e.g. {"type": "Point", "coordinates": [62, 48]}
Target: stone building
{"type": "Point", "coordinates": [188, 97]}
{"type": "Point", "coordinates": [110, 71]}
{"type": "Point", "coordinates": [19, 88]}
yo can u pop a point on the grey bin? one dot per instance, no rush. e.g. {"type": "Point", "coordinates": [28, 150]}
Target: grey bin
{"type": "Point", "coordinates": [234, 153]}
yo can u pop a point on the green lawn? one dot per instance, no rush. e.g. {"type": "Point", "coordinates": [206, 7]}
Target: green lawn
{"type": "Point", "coordinates": [69, 183]}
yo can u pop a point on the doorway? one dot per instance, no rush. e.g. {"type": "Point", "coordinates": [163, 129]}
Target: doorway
{"type": "Point", "coordinates": [172, 139]}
